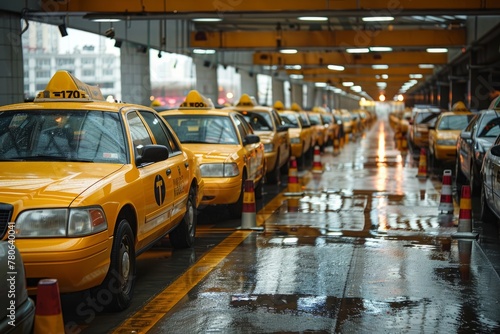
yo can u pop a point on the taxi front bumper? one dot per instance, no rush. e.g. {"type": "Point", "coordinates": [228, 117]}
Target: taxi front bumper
{"type": "Point", "coordinates": [77, 263]}
{"type": "Point", "coordinates": [221, 191]}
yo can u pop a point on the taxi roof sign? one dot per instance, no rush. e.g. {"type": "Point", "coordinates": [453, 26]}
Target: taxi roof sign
{"type": "Point", "coordinates": [194, 100]}
{"type": "Point", "coordinates": [278, 105]}
{"type": "Point", "coordinates": [247, 101]}
{"type": "Point", "coordinates": [295, 107]}
{"type": "Point", "coordinates": [63, 86]}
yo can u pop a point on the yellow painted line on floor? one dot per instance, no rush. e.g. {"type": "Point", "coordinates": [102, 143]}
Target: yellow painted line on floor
{"type": "Point", "coordinates": [144, 319]}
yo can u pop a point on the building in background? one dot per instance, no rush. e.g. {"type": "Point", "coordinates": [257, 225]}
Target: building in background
{"type": "Point", "coordinates": [90, 60]}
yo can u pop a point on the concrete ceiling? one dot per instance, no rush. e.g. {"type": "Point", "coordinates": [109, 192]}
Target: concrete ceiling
{"type": "Point", "coordinates": [250, 34]}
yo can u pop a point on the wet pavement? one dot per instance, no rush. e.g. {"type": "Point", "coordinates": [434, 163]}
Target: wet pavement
{"type": "Point", "coordinates": [363, 249]}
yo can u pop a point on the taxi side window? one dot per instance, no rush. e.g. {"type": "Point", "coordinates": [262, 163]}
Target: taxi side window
{"type": "Point", "coordinates": [243, 128]}
{"type": "Point", "coordinates": [139, 133]}
{"type": "Point", "coordinates": [160, 132]}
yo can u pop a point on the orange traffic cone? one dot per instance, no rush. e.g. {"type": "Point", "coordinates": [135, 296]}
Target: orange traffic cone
{"type": "Point", "coordinates": [294, 188]}
{"type": "Point", "coordinates": [249, 214]}
{"type": "Point", "coordinates": [317, 166]}
{"type": "Point", "coordinates": [422, 164]}
{"type": "Point", "coordinates": [48, 314]}
{"type": "Point", "coordinates": [446, 203]}
{"type": "Point", "coordinates": [464, 229]}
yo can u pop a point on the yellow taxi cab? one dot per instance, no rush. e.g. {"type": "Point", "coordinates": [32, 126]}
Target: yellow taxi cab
{"type": "Point", "coordinates": [307, 122]}
{"type": "Point", "coordinates": [268, 125]}
{"type": "Point", "coordinates": [330, 123]}
{"type": "Point", "coordinates": [228, 150]}
{"type": "Point", "coordinates": [89, 184]}
{"type": "Point", "coordinates": [444, 133]}
{"type": "Point", "coordinates": [347, 121]}
{"type": "Point", "coordinates": [319, 127]}
{"type": "Point", "coordinates": [300, 133]}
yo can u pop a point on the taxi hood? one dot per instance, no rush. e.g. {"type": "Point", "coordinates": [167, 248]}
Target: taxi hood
{"type": "Point", "coordinates": [48, 184]}
{"type": "Point", "coordinates": [213, 153]}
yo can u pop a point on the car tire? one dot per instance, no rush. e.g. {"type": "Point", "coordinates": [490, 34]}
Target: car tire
{"type": "Point", "coordinates": [118, 286]}
{"type": "Point", "coordinates": [273, 176]}
{"type": "Point", "coordinates": [235, 209]}
{"type": "Point", "coordinates": [486, 215]}
{"type": "Point", "coordinates": [184, 234]}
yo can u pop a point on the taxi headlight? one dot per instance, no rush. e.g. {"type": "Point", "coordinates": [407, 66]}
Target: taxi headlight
{"type": "Point", "coordinates": [295, 140]}
{"type": "Point", "coordinates": [219, 170]}
{"type": "Point", "coordinates": [60, 222]}
{"type": "Point", "coordinates": [447, 142]}
{"type": "Point", "coordinates": [268, 147]}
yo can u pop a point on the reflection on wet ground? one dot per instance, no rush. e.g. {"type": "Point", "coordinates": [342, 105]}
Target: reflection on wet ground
{"type": "Point", "coordinates": [364, 249]}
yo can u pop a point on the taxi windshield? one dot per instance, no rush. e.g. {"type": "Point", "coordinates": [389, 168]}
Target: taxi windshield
{"type": "Point", "coordinates": [314, 119]}
{"type": "Point", "coordinates": [260, 121]}
{"type": "Point", "coordinates": [454, 122]}
{"type": "Point", "coordinates": [291, 121]}
{"type": "Point", "coordinates": [62, 135]}
{"type": "Point", "coordinates": [203, 129]}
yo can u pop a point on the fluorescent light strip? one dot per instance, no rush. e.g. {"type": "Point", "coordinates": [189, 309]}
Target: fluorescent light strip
{"type": "Point", "coordinates": [336, 67]}
{"type": "Point", "coordinates": [313, 18]}
{"type": "Point", "coordinates": [358, 50]}
{"type": "Point", "coordinates": [377, 18]}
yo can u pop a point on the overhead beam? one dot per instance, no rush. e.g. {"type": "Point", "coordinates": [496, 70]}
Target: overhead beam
{"type": "Point", "coordinates": [329, 40]}
{"type": "Point", "coordinates": [364, 71]}
{"type": "Point", "coordinates": [258, 7]}
{"type": "Point", "coordinates": [309, 59]}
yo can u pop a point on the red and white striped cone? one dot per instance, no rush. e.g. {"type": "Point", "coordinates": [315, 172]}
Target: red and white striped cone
{"type": "Point", "coordinates": [336, 145]}
{"type": "Point", "coordinates": [422, 164]}
{"type": "Point", "coordinates": [294, 188]}
{"type": "Point", "coordinates": [464, 230]}
{"type": "Point", "coordinates": [446, 202]}
{"type": "Point", "coordinates": [317, 166]}
{"type": "Point", "coordinates": [48, 312]}
{"type": "Point", "coordinates": [249, 213]}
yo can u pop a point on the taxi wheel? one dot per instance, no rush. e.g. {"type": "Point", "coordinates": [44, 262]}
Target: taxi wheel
{"type": "Point", "coordinates": [118, 286]}
{"type": "Point", "coordinates": [486, 215]}
{"type": "Point", "coordinates": [184, 234]}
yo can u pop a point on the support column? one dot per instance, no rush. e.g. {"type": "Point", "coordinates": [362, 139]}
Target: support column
{"type": "Point", "coordinates": [248, 84]}
{"type": "Point", "coordinates": [296, 94]}
{"type": "Point", "coordinates": [206, 79]}
{"type": "Point", "coordinates": [11, 59]}
{"type": "Point", "coordinates": [443, 95]}
{"type": "Point", "coordinates": [278, 90]}
{"type": "Point", "coordinates": [458, 87]}
{"type": "Point", "coordinates": [135, 74]}
{"type": "Point", "coordinates": [479, 86]}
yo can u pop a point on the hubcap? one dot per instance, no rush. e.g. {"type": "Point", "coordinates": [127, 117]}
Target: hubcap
{"type": "Point", "coordinates": [125, 265]}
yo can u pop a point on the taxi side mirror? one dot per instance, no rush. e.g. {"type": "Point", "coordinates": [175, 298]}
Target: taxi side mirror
{"type": "Point", "coordinates": [283, 128]}
{"type": "Point", "coordinates": [152, 153]}
{"type": "Point", "coordinates": [495, 150]}
{"type": "Point", "coordinates": [251, 139]}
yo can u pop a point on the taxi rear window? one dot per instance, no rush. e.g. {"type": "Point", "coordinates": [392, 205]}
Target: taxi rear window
{"type": "Point", "coordinates": [203, 129]}
{"type": "Point", "coordinates": [62, 135]}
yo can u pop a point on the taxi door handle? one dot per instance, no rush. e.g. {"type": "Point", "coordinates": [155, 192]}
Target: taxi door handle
{"type": "Point", "coordinates": [169, 171]}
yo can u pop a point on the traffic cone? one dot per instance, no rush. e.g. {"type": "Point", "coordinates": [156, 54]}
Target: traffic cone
{"type": "Point", "coordinates": [422, 164]}
{"type": "Point", "coordinates": [464, 229]}
{"type": "Point", "coordinates": [249, 214]}
{"type": "Point", "coordinates": [48, 314]}
{"type": "Point", "coordinates": [446, 202]}
{"type": "Point", "coordinates": [294, 188]}
{"type": "Point", "coordinates": [317, 166]}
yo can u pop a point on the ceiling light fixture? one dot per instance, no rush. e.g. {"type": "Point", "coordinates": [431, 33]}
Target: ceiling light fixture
{"type": "Point", "coordinates": [62, 30]}
{"type": "Point", "coordinates": [377, 18]}
{"type": "Point", "coordinates": [105, 20]}
{"type": "Point", "coordinates": [313, 18]}
{"type": "Point", "coordinates": [380, 48]}
{"type": "Point", "coordinates": [288, 51]}
{"type": "Point", "coordinates": [425, 65]}
{"type": "Point", "coordinates": [437, 50]}
{"type": "Point", "coordinates": [380, 67]}
{"type": "Point", "coordinates": [204, 51]}
{"type": "Point", "coordinates": [207, 19]}
{"type": "Point", "coordinates": [358, 50]}
{"type": "Point", "coordinates": [348, 84]}
{"type": "Point", "coordinates": [320, 84]}
{"type": "Point", "coordinates": [336, 67]}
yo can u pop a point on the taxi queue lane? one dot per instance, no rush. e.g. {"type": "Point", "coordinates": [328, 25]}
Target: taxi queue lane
{"type": "Point", "coordinates": [364, 248]}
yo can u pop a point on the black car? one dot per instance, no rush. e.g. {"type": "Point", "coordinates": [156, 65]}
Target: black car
{"type": "Point", "coordinates": [472, 144]}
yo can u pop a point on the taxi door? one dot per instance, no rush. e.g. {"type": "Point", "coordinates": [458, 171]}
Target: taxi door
{"type": "Point", "coordinates": [162, 182]}
{"type": "Point", "coordinates": [255, 157]}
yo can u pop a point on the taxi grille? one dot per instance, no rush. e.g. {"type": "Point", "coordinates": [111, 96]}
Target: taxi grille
{"type": "Point", "coordinates": [5, 215]}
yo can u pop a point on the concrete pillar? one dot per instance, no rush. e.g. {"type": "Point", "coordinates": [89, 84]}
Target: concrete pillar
{"type": "Point", "coordinates": [206, 79]}
{"type": "Point", "coordinates": [311, 93]}
{"type": "Point", "coordinates": [443, 95]}
{"type": "Point", "coordinates": [135, 74]}
{"type": "Point", "coordinates": [11, 59]}
{"type": "Point", "coordinates": [296, 94]}
{"type": "Point", "coordinates": [248, 84]}
{"type": "Point", "coordinates": [458, 87]}
{"type": "Point", "coordinates": [479, 86]}
{"type": "Point", "coordinates": [278, 90]}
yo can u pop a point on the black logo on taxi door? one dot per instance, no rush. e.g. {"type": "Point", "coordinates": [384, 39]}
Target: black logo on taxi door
{"type": "Point", "coordinates": [159, 190]}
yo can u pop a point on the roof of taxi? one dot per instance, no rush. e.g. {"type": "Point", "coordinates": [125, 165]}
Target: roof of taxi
{"type": "Point", "coordinates": [196, 104]}
{"type": "Point", "coordinates": [249, 103]}
{"type": "Point", "coordinates": [63, 89]}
